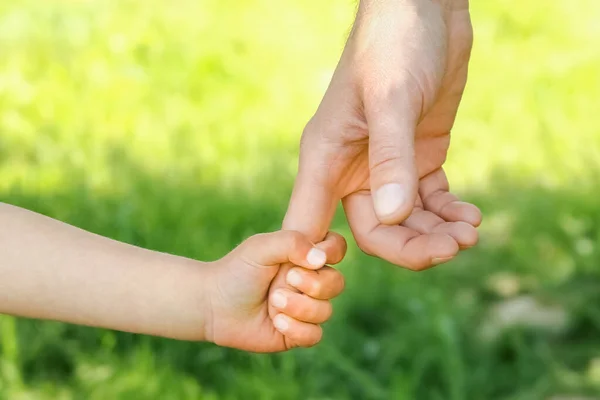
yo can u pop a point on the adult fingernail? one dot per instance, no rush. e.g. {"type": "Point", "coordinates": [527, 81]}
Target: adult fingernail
{"type": "Point", "coordinates": [280, 323]}
{"type": "Point", "coordinates": [389, 198]}
{"type": "Point", "coordinates": [278, 300]}
{"type": "Point", "coordinates": [294, 278]}
{"type": "Point", "coordinates": [437, 261]}
{"type": "Point", "coordinates": [316, 257]}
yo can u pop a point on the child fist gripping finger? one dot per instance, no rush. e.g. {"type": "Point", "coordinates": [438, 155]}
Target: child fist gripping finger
{"type": "Point", "coordinates": [245, 316]}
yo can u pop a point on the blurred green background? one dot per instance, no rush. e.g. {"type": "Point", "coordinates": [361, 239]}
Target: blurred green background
{"type": "Point", "coordinates": [175, 126]}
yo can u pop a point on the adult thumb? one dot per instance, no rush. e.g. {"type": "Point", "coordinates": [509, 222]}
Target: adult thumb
{"type": "Point", "coordinates": [393, 173]}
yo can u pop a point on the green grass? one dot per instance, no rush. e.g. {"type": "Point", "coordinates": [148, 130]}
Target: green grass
{"type": "Point", "coordinates": [175, 126]}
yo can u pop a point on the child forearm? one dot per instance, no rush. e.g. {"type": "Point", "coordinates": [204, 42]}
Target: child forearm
{"type": "Point", "coordinates": [45, 264]}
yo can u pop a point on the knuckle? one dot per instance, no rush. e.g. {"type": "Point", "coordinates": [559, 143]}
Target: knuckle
{"type": "Point", "coordinates": [320, 127]}
{"type": "Point", "coordinates": [384, 94]}
{"type": "Point", "coordinates": [316, 287]}
{"type": "Point", "coordinates": [257, 239]}
{"type": "Point", "coordinates": [253, 240]}
{"type": "Point", "coordinates": [380, 91]}
{"type": "Point", "coordinates": [309, 129]}
{"type": "Point", "coordinates": [385, 156]}
{"type": "Point", "coordinates": [316, 131]}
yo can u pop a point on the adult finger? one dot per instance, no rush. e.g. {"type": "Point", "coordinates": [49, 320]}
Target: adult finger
{"type": "Point", "coordinates": [425, 222]}
{"type": "Point", "coordinates": [397, 244]}
{"type": "Point", "coordinates": [434, 190]}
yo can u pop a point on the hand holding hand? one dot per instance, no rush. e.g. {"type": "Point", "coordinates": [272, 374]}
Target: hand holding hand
{"type": "Point", "coordinates": [244, 315]}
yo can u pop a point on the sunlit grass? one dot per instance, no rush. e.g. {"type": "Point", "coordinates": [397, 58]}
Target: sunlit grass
{"type": "Point", "coordinates": [175, 126]}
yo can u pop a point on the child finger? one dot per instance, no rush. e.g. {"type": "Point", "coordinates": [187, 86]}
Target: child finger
{"type": "Point", "coordinates": [334, 245]}
{"type": "Point", "coordinates": [324, 284]}
{"type": "Point", "coordinates": [297, 333]}
{"type": "Point", "coordinates": [301, 307]}
{"type": "Point", "coordinates": [283, 246]}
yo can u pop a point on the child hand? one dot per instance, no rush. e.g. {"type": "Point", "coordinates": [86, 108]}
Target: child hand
{"type": "Point", "coordinates": [245, 316]}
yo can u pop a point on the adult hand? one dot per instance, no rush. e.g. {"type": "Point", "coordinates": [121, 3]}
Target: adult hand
{"type": "Point", "coordinates": [381, 134]}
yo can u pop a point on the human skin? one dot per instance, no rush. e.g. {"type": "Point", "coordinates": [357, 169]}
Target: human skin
{"type": "Point", "coordinates": [379, 138]}
{"type": "Point", "coordinates": [54, 271]}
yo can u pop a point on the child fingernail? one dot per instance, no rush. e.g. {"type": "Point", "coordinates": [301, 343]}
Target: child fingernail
{"type": "Point", "coordinates": [294, 278]}
{"type": "Point", "coordinates": [278, 300]}
{"type": "Point", "coordinates": [280, 323]}
{"type": "Point", "coordinates": [316, 257]}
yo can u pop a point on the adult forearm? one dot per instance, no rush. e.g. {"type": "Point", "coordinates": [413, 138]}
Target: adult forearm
{"type": "Point", "coordinates": [52, 270]}
{"type": "Point", "coordinates": [378, 7]}
{"type": "Point", "coordinates": [453, 3]}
